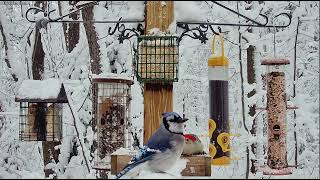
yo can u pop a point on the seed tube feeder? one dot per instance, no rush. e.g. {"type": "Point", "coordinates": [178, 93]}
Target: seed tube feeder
{"type": "Point", "coordinates": [111, 104]}
{"type": "Point", "coordinates": [276, 113]}
{"type": "Point", "coordinates": [41, 110]}
{"type": "Point", "coordinates": [219, 147]}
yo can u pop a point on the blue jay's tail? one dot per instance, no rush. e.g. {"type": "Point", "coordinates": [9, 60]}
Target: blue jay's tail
{"type": "Point", "coordinates": [124, 171]}
{"type": "Point", "coordinates": [134, 169]}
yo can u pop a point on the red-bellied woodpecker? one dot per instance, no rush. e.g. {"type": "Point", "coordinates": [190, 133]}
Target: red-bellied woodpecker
{"type": "Point", "coordinates": [192, 145]}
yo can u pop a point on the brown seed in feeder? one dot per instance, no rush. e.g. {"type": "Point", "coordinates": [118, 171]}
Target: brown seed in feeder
{"type": "Point", "coordinates": [157, 62]}
{"type": "Point", "coordinates": [276, 106]}
{"type": "Point", "coordinates": [42, 123]}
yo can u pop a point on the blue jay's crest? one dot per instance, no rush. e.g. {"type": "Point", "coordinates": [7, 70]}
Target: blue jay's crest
{"type": "Point", "coordinates": [173, 117]}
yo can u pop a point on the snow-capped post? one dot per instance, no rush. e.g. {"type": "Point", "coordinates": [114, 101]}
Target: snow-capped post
{"type": "Point", "coordinates": [157, 63]}
{"type": "Point", "coordinates": [219, 147]}
{"type": "Point", "coordinates": [111, 104]}
{"type": "Point", "coordinates": [276, 115]}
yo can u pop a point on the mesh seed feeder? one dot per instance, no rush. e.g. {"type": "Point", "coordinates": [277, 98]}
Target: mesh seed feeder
{"type": "Point", "coordinates": [111, 104]}
{"type": "Point", "coordinates": [276, 113]}
{"type": "Point", "coordinates": [157, 59]}
{"type": "Point", "coordinates": [41, 103]}
{"type": "Point", "coordinates": [219, 147]}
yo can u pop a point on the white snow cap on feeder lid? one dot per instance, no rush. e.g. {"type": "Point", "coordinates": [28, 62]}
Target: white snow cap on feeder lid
{"type": "Point", "coordinates": [112, 77]}
{"type": "Point", "coordinates": [40, 90]}
{"type": "Point", "coordinates": [274, 61]}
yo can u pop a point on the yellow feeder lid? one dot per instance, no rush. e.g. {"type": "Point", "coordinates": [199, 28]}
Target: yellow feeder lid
{"type": "Point", "coordinates": [218, 60]}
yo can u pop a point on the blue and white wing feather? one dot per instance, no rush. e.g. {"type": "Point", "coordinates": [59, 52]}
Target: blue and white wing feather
{"type": "Point", "coordinates": [142, 156]}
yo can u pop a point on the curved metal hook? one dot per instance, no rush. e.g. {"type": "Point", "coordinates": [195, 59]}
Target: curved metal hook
{"type": "Point", "coordinates": [33, 8]}
{"type": "Point", "coordinates": [288, 16]}
{"type": "Point", "coordinates": [115, 28]}
{"type": "Point", "coordinates": [266, 18]}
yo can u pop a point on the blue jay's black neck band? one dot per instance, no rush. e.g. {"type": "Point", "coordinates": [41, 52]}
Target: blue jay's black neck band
{"type": "Point", "coordinates": [166, 125]}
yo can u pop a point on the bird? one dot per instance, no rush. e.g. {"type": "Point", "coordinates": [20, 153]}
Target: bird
{"type": "Point", "coordinates": [161, 151]}
{"type": "Point", "coordinates": [193, 145]}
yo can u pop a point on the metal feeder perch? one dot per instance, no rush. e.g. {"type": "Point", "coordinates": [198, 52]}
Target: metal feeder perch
{"type": "Point", "coordinates": [111, 104]}
{"type": "Point", "coordinates": [41, 110]}
{"type": "Point", "coordinates": [157, 59]}
{"type": "Point", "coordinates": [276, 109]}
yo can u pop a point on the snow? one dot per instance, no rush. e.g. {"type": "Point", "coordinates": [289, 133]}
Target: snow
{"type": "Point", "coordinates": [112, 76]}
{"type": "Point", "coordinates": [39, 89]}
{"type": "Point", "coordinates": [25, 160]}
{"type": "Point", "coordinates": [124, 151]}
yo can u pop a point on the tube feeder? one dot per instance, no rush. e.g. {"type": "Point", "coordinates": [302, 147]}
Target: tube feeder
{"type": "Point", "coordinates": [219, 147]}
{"type": "Point", "coordinates": [276, 114]}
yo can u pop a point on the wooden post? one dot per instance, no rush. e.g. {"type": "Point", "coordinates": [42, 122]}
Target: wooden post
{"type": "Point", "coordinates": [157, 96]}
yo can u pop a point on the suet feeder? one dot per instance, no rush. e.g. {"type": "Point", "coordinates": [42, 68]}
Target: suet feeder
{"type": "Point", "coordinates": [219, 147]}
{"type": "Point", "coordinates": [41, 110]}
{"type": "Point", "coordinates": [276, 113]}
{"type": "Point", "coordinates": [157, 59]}
{"type": "Point", "coordinates": [111, 104]}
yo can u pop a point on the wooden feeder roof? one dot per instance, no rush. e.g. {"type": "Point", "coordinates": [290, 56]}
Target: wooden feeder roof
{"type": "Point", "coordinates": [47, 91]}
{"type": "Point", "coordinates": [112, 78]}
{"type": "Point", "coordinates": [275, 61]}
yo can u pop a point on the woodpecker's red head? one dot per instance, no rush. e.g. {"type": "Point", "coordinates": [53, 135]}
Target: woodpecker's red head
{"type": "Point", "coordinates": [190, 138]}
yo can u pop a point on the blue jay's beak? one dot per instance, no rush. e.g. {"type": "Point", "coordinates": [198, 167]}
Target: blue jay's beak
{"type": "Point", "coordinates": [184, 119]}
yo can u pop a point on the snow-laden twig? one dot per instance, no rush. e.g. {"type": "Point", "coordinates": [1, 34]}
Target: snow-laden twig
{"type": "Point", "coordinates": [77, 131]}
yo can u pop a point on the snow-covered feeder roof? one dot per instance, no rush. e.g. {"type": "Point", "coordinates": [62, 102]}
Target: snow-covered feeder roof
{"type": "Point", "coordinates": [112, 77]}
{"type": "Point", "coordinates": [275, 61]}
{"type": "Point", "coordinates": [49, 90]}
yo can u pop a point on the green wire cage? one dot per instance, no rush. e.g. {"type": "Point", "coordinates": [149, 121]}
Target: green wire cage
{"type": "Point", "coordinates": [157, 59]}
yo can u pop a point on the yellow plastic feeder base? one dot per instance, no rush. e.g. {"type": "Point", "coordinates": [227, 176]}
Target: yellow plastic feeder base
{"type": "Point", "coordinates": [221, 161]}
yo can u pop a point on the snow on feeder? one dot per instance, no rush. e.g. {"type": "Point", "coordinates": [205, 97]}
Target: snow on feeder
{"type": "Point", "coordinates": [276, 109]}
{"type": "Point", "coordinates": [111, 103]}
{"type": "Point", "coordinates": [219, 147]}
{"type": "Point", "coordinates": [41, 110]}
{"type": "Point", "coordinates": [157, 58]}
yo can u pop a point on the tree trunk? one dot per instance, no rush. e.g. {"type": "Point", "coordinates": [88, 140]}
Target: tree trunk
{"type": "Point", "coordinates": [242, 99]}
{"type": "Point", "coordinates": [38, 53]}
{"type": "Point", "coordinates": [252, 109]}
{"type": "Point", "coordinates": [6, 59]}
{"type": "Point", "coordinates": [294, 92]}
{"type": "Point", "coordinates": [94, 51]}
{"type": "Point", "coordinates": [71, 30]}
{"type": "Point", "coordinates": [94, 48]}
{"type": "Point", "coordinates": [50, 154]}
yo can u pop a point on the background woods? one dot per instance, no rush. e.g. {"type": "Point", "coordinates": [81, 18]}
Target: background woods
{"type": "Point", "coordinates": [72, 51]}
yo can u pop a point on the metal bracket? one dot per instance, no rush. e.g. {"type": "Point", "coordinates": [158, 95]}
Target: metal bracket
{"type": "Point", "coordinates": [125, 33]}
{"type": "Point", "coordinates": [200, 32]}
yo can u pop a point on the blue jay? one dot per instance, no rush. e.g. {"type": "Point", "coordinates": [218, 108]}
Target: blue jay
{"type": "Point", "coordinates": [162, 150]}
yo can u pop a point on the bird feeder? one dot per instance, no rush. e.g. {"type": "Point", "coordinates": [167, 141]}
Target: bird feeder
{"type": "Point", "coordinates": [276, 113]}
{"type": "Point", "coordinates": [41, 110]}
{"type": "Point", "coordinates": [157, 59]}
{"type": "Point", "coordinates": [111, 103]}
{"type": "Point", "coordinates": [219, 147]}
